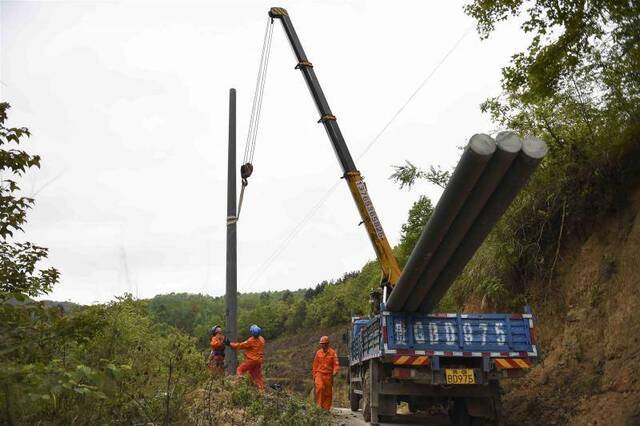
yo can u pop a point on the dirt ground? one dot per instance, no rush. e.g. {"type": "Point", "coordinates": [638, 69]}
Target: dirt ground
{"type": "Point", "coordinates": [589, 333]}
{"type": "Point", "coordinates": [288, 361]}
{"type": "Point", "coordinates": [345, 417]}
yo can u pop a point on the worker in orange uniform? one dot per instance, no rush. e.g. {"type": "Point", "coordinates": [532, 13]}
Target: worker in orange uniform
{"type": "Point", "coordinates": [253, 349]}
{"type": "Point", "coordinates": [325, 366]}
{"type": "Point", "coordinates": [216, 357]}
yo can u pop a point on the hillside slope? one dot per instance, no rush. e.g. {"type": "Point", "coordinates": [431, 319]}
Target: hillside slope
{"type": "Point", "coordinates": [288, 361]}
{"type": "Point", "coordinates": [589, 332]}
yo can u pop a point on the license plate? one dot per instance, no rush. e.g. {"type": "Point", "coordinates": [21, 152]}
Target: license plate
{"type": "Point", "coordinates": [459, 376]}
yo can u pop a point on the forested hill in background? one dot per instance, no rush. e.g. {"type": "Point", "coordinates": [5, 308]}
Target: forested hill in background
{"type": "Point", "coordinates": [287, 312]}
{"type": "Point", "coordinates": [324, 305]}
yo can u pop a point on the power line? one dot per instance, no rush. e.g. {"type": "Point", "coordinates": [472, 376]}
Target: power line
{"type": "Point", "coordinates": [291, 236]}
{"type": "Point", "coordinates": [316, 207]}
{"type": "Point", "coordinates": [413, 95]}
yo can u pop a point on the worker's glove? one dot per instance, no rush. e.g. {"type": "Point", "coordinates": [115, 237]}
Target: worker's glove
{"type": "Point", "coordinates": [226, 341]}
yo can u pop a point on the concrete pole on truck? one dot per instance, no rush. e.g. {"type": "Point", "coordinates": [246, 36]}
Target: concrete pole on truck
{"type": "Point", "coordinates": [231, 295]}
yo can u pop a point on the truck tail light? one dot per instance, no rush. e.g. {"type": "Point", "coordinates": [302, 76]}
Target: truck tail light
{"type": "Point", "coordinates": [403, 373]}
{"type": "Point", "coordinates": [385, 336]}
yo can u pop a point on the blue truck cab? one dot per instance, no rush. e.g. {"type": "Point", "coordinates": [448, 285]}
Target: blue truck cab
{"type": "Point", "coordinates": [450, 360]}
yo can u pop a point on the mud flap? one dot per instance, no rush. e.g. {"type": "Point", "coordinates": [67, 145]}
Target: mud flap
{"type": "Point", "coordinates": [354, 401]}
{"type": "Point", "coordinates": [387, 405]}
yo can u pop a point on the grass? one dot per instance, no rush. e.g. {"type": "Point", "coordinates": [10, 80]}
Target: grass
{"type": "Point", "coordinates": [235, 401]}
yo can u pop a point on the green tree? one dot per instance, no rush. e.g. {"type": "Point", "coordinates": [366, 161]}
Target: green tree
{"type": "Point", "coordinates": [296, 317]}
{"type": "Point", "coordinates": [19, 273]}
{"type": "Point", "coordinates": [577, 86]}
{"type": "Point", "coordinates": [100, 363]}
{"type": "Point", "coordinates": [408, 174]}
{"type": "Point", "coordinates": [595, 41]}
{"type": "Point", "coordinates": [418, 216]}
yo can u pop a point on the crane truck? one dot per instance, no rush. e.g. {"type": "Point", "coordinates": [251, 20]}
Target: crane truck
{"type": "Point", "coordinates": [403, 352]}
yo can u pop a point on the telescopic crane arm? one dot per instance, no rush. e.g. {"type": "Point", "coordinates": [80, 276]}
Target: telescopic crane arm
{"type": "Point", "coordinates": [388, 262]}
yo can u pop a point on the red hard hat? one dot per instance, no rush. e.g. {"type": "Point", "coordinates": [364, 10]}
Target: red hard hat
{"type": "Point", "coordinates": [324, 339]}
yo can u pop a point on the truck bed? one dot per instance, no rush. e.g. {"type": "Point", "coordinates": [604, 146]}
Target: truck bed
{"type": "Point", "coordinates": [443, 335]}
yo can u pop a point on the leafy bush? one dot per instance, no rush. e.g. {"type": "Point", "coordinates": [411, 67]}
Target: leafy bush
{"type": "Point", "coordinates": [232, 400]}
{"type": "Point", "coordinates": [101, 362]}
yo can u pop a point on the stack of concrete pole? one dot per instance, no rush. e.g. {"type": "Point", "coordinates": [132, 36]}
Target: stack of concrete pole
{"type": "Point", "coordinates": [488, 177]}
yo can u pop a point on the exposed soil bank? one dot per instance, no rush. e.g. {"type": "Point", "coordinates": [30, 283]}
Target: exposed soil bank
{"type": "Point", "coordinates": [588, 327]}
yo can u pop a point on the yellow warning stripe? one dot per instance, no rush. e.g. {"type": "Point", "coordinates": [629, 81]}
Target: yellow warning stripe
{"type": "Point", "coordinates": [411, 360]}
{"type": "Point", "coordinates": [503, 363]}
{"type": "Point", "coordinates": [421, 360]}
{"type": "Point", "coordinates": [401, 360]}
{"type": "Point", "coordinates": [512, 363]}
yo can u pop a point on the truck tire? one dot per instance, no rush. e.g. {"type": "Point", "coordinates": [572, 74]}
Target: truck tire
{"type": "Point", "coordinates": [354, 401]}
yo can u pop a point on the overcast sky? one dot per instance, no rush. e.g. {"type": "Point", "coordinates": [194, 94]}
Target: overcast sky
{"type": "Point", "coordinates": [128, 105]}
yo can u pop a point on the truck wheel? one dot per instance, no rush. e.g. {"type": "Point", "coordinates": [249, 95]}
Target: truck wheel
{"type": "Point", "coordinates": [354, 401]}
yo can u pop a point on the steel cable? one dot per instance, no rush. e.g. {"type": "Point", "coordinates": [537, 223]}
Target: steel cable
{"type": "Point", "coordinates": [300, 225]}
{"type": "Point", "coordinates": [256, 109]}
{"type": "Point", "coordinates": [258, 95]}
{"type": "Point", "coordinates": [261, 94]}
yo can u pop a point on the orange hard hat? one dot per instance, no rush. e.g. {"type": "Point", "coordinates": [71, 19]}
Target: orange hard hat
{"type": "Point", "coordinates": [324, 339]}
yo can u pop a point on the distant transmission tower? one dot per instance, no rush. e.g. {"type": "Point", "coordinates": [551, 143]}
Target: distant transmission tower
{"type": "Point", "coordinates": [132, 285]}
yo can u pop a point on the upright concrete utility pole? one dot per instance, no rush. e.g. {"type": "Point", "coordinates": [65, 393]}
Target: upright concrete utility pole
{"type": "Point", "coordinates": [231, 321]}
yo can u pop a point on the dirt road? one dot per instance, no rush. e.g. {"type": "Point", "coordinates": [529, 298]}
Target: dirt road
{"type": "Point", "coordinates": [345, 417]}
